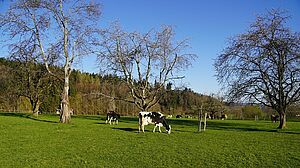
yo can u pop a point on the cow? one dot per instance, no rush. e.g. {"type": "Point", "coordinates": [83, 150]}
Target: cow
{"type": "Point", "coordinates": [178, 116]}
{"type": "Point", "coordinates": [156, 118]}
{"type": "Point", "coordinates": [208, 117]}
{"type": "Point", "coordinates": [274, 118]}
{"type": "Point", "coordinates": [223, 116]}
{"type": "Point", "coordinates": [58, 111]}
{"type": "Point", "coordinates": [112, 116]}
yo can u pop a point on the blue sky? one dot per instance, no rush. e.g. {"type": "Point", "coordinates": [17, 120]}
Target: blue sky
{"type": "Point", "coordinates": [207, 23]}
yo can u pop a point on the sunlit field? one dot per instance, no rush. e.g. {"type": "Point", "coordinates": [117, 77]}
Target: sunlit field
{"type": "Point", "coordinates": [88, 142]}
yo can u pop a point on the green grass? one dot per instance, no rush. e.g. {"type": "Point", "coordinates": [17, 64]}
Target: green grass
{"type": "Point", "coordinates": [88, 142]}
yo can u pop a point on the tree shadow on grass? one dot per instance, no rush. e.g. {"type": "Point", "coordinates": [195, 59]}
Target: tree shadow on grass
{"type": "Point", "coordinates": [239, 126]}
{"type": "Point", "coordinates": [127, 129]}
{"type": "Point", "coordinates": [100, 123]}
{"type": "Point", "coordinates": [88, 117]}
{"type": "Point", "coordinates": [230, 125]}
{"type": "Point", "coordinates": [27, 116]}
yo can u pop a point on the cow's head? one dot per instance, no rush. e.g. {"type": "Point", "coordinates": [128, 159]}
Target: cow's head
{"type": "Point", "coordinates": [165, 124]}
{"type": "Point", "coordinates": [168, 129]}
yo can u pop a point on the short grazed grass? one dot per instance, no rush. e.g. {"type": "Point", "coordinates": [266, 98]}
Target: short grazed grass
{"type": "Point", "coordinates": [88, 142]}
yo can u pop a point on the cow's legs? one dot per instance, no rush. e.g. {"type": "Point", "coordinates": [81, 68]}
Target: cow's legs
{"type": "Point", "coordinates": [117, 121]}
{"type": "Point", "coordinates": [110, 120]}
{"type": "Point", "coordinates": [159, 129]}
{"type": "Point", "coordinates": [155, 128]}
{"type": "Point", "coordinates": [106, 121]}
{"type": "Point", "coordinates": [139, 127]}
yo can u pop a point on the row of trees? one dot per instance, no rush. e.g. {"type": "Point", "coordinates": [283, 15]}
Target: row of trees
{"type": "Point", "coordinates": [260, 66]}
{"type": "Point", "coordinates": [34, 91]}
{"type": "Point", "coordinates": [58, 32]}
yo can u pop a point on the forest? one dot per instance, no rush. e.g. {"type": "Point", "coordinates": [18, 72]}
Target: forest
{"type": "Point", "coordinates": [23, 85]}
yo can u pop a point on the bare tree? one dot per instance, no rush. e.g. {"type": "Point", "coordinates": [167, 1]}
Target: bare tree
{"type": "Point", "coordinates": [262, 65]}
{"type": "Point", "coordinates": [31, 80]}
{"type": "Point", "coordinates": [214, 106]}
{"type": "Point", "coordinates": [30, 77]}
{"type": "Point", "coordinates": [58, 29]}
{"type": "Point", "coordinates": [146, 62]}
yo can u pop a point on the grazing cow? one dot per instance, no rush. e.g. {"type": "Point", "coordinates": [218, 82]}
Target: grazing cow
{"type": "Point", "coordinates": [156, 118]}
{"type": "Point", "coordinates": [58, 111]}
{"type": "Point", "coordinates": [274, 118]}
{"type": "Point", "coordinates": [188, 116]}
{"type": "Point", "coordinates": [112, 116]}
{"type": "Point", "coordinates": [178, 116]}
{"type": "Point", "coordinates": [223, 116]}
{"type": "Point", "coordinates": [208, 116]}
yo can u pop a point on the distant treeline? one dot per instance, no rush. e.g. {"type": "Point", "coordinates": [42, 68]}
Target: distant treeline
{"type": "Point", "coordinates": [90, 94]}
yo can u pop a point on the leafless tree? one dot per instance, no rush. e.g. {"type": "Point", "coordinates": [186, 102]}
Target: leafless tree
{"type": "Point", "coordinates": [214, 106]}
{"type": "Point", "coordinates": [32, 81]}
{"type": "Point", "coordinates": [58, 29]}
{"type": "Point", "coordinates": [262, 65]}
{"type": "Point", "coordinates": [146, 62]}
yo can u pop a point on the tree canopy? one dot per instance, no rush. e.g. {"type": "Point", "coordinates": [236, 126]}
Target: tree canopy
{"type": "Point", "coordinates": [145, 61]}
{"type": "Point", "coordinates": [51, 30]}
{"type": "Point", "coordinates": [262, 65]}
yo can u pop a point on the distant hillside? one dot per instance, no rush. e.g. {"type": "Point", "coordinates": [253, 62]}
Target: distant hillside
{"type": "Point", "coordinates": [87, 90]}
{"type": "Point", "coordinates": [85, 97]}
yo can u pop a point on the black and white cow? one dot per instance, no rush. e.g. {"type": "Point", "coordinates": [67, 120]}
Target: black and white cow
{"type": "Point", "coordinates": [178, 116]}
{"type": "Point", "coordinates": [223, 116]}
{"type": "Point", "coordinates": [156, 118]}
{"type": "Point", "coordinates": [112, 117]}
{"type": "Point", "coordinates": [274, 118]}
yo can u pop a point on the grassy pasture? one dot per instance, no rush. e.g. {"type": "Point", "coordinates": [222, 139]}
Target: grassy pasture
{"type": "Point", "coordinates": [88, 142]}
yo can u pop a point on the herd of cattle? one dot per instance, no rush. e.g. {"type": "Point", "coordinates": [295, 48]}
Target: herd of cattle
{"type": "Point", "coordinates": [156, 118]}
{"type": "Point", "coordinates": [222, 117]}
{"type": "Point", "coordinates": [145, 118]}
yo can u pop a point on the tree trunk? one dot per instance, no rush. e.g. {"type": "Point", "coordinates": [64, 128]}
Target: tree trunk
{"type": "Point", "coordinates": [282, 119]}
{"type": "Point", "coordinates": [200, 119]}
{"type": "Point", "coordinates": [65, 116]}
{"type": "Point", "coordinates": [35, 108]}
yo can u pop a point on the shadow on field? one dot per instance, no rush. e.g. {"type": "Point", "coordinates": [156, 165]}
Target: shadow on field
{"type": "Point", "coordinates": [185, 122]}
{"type": "Point", "coordinates": [231, 125]}
{"type": "Point", "coordinates": [27, 116]}
{"type": "Point", "coordinates": [100, 123]}
{"type": "Point", "coordinates": [129, 119]}
{"type": "Point", "coordinates": [236, 126]}
{"type": "Point", "coordinates": [88, 117]}
{"type": "Point", "coordinates": [127, 129]}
